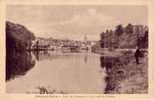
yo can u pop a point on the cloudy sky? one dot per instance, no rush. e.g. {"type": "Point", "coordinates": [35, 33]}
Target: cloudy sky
{"type": "Point", "coordinates": [74, 22]}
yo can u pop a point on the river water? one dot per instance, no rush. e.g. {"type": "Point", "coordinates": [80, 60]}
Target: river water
{"type": "Point", "coordinates": [61, 73]}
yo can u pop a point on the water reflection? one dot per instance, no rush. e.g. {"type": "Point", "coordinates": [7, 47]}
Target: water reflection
{"type": "Point", "coordinates": [57, 72]}
{"type": "Point", "coordinates": [114, 70]}
{"type": "Point", "coordinates": [109, 62]}
{"type": "Point", "coordinates": [41, 55]}
{"type": "Point", "coordinates": [18, 63]}
{"type": "Point", "coordinates": [50, 55]}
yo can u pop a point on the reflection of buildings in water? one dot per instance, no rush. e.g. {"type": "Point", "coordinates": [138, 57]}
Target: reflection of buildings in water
{"type": "Point", "coordinates": [18, 63]}
{"type": "Point", "coordinates": [50, 55]}
{"type": "Point", "coordinates": [86, 58]}
{"type": "Point", "coordinates": [41, 55]}
{"type": "Point", "coordinates": [36, 55]}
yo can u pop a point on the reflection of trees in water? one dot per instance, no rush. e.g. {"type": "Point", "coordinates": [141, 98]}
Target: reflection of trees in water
{"type": "Point", "coordinates": [18, 63]}
{"type": "Point", "coordinates": [85, 58]}
{"type": "Point", "coordinates": [109, 62]}
{"type": "Point", "coordinates": [114, 70]}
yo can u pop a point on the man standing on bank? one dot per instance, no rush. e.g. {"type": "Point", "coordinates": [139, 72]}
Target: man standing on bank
{"type": "Point", "coordinates": [137, 55]}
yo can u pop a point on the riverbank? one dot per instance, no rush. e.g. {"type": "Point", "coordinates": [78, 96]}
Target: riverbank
{"type": "Point", "coordinates": [127, 77]}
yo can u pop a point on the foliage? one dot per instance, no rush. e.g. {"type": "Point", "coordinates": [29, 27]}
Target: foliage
{"type": "Point", "coordinates": [18, 60]}
{"type": "Point", "coordinates": [129, 28]}
{"type": "Point", "coordinates": [124, 37]}
{"type": "Point", "coordinates": [18, 37]}
{"type": "Point", "coordinates": [119, 30]}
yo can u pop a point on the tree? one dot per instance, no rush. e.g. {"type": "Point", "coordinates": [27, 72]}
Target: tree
{"type": "Point", "coordinates": [145, 39]}
{"type": "Point", "coordinates": [102, 39]}
{"type": "Point", "coordinates": [129, 28]}
{"type": "Point", "coordinates": [119, 30]}
{"type": "Point", "coordinates": [110, 39]}
{"type": "Point", "coordinates": [106, 43]}
{"type": "Point", "coordinates": [102, 35]}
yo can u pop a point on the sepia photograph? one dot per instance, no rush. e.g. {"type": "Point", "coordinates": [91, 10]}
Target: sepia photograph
{"type": "Point", "coordinates": [76, 49]}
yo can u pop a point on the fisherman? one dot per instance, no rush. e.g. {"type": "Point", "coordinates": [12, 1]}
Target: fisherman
{"type": "Point", "coordinates": [137, 55]}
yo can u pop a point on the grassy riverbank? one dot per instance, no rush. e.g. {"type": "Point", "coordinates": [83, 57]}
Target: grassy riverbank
{"type": "Point", "coordinates": [125, 76]}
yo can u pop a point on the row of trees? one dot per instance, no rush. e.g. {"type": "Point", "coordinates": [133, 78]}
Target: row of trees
{"type": "Point", "coordinates": [129, 36]}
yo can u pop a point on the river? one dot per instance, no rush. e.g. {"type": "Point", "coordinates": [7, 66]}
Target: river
{"type": "Point", "coordinates": [61, 73]}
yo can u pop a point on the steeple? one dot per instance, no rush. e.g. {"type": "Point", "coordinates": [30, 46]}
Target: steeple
{"type": "Point", "coordinates": [85, 38]}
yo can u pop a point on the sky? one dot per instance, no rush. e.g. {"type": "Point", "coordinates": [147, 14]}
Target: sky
{"type": "Point", "coordinates": [74, 22]}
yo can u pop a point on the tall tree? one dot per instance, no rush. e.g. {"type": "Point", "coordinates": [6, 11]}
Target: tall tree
{"type": "Point", "coordinates": [129, 28]}
{"type": "Point", "coordinates": [119, 31]}
{"type": "Point", "coordinates": [107, 38]}
{"type": "Point", "coordinates": [102, 39]}
{"type": "Point", "coordinates": [110, 39]}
